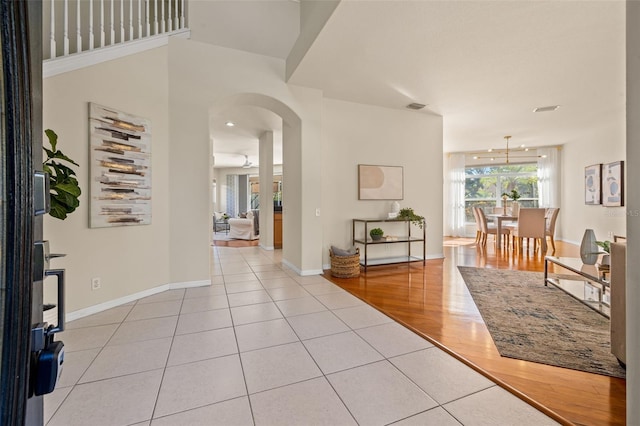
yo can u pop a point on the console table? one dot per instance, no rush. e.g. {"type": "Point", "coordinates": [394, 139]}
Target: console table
{"type": "Point", "coordinates": [589, 286]}
{"type": "Point", "coordinates": [365, 240]}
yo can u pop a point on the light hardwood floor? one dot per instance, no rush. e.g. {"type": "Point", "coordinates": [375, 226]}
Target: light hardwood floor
{"type": "Point", "coordinates": [434, 301]}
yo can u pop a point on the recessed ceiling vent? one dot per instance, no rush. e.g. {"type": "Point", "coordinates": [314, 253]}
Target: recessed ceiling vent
{"type": "Point", "coordinates": [547, 108]}
{"type": "Point", "coordinates": [416, 106]}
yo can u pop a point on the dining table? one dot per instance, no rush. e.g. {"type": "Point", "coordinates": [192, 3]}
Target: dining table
{"type": "Point", "coordinates": [499, 218]}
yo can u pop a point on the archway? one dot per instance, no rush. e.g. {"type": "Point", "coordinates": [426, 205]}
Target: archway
{"type": "Point", "coordinates": [291, 170]}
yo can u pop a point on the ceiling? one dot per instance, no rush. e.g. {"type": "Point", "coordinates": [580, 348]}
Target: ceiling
{"type": "Point", "coordinates": [483, 65]}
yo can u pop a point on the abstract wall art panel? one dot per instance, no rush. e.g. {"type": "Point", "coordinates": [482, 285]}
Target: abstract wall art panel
{"type": "Point", "coordinates": [120, 150]}
{"type": "Point", "coordinates": [380, 182]}
{"type": "Point", "coordinates": [592, 193]}
{"type": "Point", "coordinates": [613, 184]}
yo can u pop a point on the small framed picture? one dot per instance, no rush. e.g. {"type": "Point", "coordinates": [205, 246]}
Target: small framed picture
{"type": "Point", "coordinates": [592, 192]}
{"type": "Point", "coordinates": [613, 184]}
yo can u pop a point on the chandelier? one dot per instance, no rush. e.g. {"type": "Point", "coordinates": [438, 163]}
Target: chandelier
{"type": "Point", "coordinates": [502, 155]}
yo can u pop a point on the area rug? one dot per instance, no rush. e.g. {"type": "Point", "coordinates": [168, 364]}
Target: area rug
{"type": "Point", "coordinates": [541, 324]}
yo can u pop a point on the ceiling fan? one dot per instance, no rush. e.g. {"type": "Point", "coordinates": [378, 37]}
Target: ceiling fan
{"type": "Point", "coordinates": [247, 164]}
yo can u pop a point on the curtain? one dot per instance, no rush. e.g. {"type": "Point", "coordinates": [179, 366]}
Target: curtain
{"type": "Point", "coordinates": [454, 213]}
{"type": "Point", "coordinates": [549, 177]}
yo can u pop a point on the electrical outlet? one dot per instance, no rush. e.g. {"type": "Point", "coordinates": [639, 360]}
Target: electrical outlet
{"type": "Point", "coordinates": [95, 283]}
{"type": "Point", "coordinates": [610, 235]}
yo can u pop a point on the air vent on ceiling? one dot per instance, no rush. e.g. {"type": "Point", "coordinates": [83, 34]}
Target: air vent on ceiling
{"type": "Point", "coordinates": [547, 108]}
{"type": "Point", "coordinates": [416, 106]}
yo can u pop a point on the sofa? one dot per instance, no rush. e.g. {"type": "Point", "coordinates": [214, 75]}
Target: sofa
{"type": "Point", "coordinates": [245, 228]}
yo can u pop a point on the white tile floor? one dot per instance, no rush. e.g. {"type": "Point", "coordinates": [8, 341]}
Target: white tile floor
{"type": "Point", "coordinates": [264, 346]}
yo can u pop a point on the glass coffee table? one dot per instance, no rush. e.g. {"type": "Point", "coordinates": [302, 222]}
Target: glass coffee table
{"type": "Point", "coordinates": [587, 283]}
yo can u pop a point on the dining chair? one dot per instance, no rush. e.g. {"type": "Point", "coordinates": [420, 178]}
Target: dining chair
{"type": "Point", "coordinates": [531, 224]}
{"type": "Point", "coordinates": [551, 215]}
{"type": "Point", "coordinates": [478, 226]}
{"type": "Point", "coordinates": [490, 229]}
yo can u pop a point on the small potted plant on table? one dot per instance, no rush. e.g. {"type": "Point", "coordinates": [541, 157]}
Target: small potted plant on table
{"type": "Point", "coordinates": [376, 234]}
{"type": "Point", "coordinates": [515, 196]}
{"type": "Point", "coordinates": [606, 246]}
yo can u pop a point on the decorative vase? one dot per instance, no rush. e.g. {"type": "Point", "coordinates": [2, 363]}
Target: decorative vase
{"type": "Point", "coordinates": [376, 237]}
{"type": "Point", "coordinates": [395, 209]}
{"type": "Point", "coordinates": [589, 248]}
{"type": "Point", "coordinates": [515, 208]}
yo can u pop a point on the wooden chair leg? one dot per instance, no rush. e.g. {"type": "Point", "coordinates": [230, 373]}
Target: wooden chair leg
{"type": "Point", "coordinates": [553, 245]}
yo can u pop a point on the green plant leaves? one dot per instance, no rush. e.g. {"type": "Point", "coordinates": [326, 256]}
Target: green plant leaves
{"type": "Point", "coordinates": [606, 245]}
{"type": "Point", "coordinates": [514, 194]}
{"type": "Point", "coordinates": [64, 189]}
{"type": "Point", "coordinates": [408, 214]}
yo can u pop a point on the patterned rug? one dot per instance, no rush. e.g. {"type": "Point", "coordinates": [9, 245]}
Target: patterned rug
{"type": "Point", "coordinates": [541, 324]}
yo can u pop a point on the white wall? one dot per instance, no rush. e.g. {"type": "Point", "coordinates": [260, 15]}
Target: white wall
{"type": "Point", "coordinates": [362, 134]}
{"type": "Point", "coordinates": [127, 259]}
{"type": "Point", "coordinates": [604, 143]}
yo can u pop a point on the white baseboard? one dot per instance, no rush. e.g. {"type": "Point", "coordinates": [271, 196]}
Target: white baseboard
{"type": "Point", "coordinates": [81, 313]}
{"type": "Point", "coordinates": [302, 273]}
{"type": "Point", "coordinates": [435, 256]}
{"type": "Point", "coordinates": [268, 248]}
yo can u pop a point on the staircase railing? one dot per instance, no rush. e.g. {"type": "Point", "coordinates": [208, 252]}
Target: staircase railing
{"type": "Point", "coordinates": [75, 26]}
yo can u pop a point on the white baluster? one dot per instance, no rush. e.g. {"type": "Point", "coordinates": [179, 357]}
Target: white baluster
{"type": "Point", "coordinates": [130, 19]}
{"type": "Point", "coordinates": [162, 27]}
{"type": "Point", "coordinates": [122, 21]}
{"type": "Point", "coordinates": [112, 31]}
{"type": "Point", "coordinates": [146, 18]}
{"type": "Point", "coordinates": [102, 32]}
{"type": "Point", "coordinates": [91, 37]}
{"type": "Point", "coordinates": [52, 34]}
{"type": "Point", "coordinates": [78, 32]}
{"type": "Point", "coordinates": [169, 22]}
{"type": "Point", "coordinates": [65, 25]}
{"type": "Point", "coordinates": [139, 18]}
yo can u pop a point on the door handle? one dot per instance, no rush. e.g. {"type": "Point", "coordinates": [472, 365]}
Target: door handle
{"type": "Point", "coordinates": [59, 274]}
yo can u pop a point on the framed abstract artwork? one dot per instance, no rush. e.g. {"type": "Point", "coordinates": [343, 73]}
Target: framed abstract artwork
{"type": "Point", "coordinates": [592, 189]}
{"type": "Point", "coordinates": [120, 147]}
{"type": "Point", "coordinates": [613, 184]}
{"type": "Point", "coordinates": [380, 182]}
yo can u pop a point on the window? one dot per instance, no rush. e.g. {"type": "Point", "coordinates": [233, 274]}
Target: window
{"type": "Point", "coordinates": [484, 186]}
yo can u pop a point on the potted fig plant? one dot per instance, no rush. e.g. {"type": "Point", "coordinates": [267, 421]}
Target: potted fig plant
{"type": "Point", "coordinates": [376, 234]}
{"type": "Point", "coordinates": [63, 184]}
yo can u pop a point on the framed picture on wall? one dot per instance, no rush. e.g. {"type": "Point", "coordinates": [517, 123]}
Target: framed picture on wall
{"type": "Point", "coordinates": [592, 191]}
{"type": "Point", "coordinates": [380, 182]}
{"type": "Point", "coordinates": [613, 184]}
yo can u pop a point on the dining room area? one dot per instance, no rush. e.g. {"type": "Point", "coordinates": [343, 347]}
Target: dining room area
{"type": "Point", "coordinates": [512, 229]}
{"type": "Point", "coordinates": [508, 197]}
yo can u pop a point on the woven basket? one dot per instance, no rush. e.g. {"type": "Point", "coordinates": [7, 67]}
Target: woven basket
{"type": "Point", "coordinates": [345, 266]}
